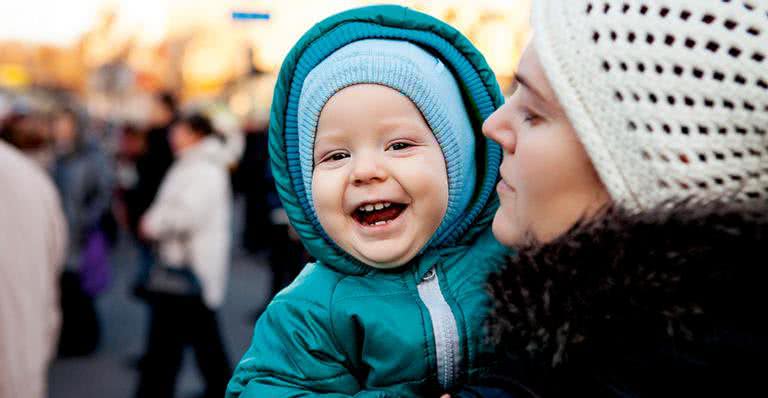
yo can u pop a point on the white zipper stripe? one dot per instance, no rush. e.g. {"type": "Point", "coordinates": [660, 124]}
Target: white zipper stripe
{"type": "Point", "coordinates": [443, 327]}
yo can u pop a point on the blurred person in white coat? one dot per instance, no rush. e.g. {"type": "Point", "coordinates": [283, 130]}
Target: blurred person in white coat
{"type": "Point", "coordinates": [33, 242]}
{"type": "Point", "coordinates": [190, 222]}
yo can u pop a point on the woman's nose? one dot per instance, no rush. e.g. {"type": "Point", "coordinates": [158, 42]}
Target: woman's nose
{"type": "Point", "coordinates": [499, 127]}
{"type": "Point", "coordinates": [367, 169]}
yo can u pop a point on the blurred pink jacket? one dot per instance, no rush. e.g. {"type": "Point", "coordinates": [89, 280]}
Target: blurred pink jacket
{"type": "Point", "coordinates": [33, 241]}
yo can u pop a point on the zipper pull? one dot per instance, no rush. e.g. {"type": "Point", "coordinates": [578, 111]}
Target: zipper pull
{"type": "Point", "coordinates": [429, 275]}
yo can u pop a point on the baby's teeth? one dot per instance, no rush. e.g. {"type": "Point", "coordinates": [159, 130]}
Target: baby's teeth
{"type": "Point", "coordinates": [379, 206]}
{"type": "Point", "coordinates": [369, 208]}
{"type": "Point", "coordinates": [387, 204]}
{"type": "Point", "coordinates": [380, 223]}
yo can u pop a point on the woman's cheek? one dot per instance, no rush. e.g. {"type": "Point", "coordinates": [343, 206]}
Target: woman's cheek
{"type": "Point", "coordinates": [539, 166]}
{"type": "Point", "coordinates": [539, 172]}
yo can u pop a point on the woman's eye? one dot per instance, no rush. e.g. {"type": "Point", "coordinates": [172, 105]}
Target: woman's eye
{"type": "Point", "coordinates": [529, 117]}
{"type": "Point", "coordinates": [399, 146]}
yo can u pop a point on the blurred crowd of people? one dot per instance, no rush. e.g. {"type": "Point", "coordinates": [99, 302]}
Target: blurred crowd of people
{"type": "Point", "coordinates": [167, 187]}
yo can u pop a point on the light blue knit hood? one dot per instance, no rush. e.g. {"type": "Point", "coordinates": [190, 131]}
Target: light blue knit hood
{"type": "Point", "coordinates": [418, 75]}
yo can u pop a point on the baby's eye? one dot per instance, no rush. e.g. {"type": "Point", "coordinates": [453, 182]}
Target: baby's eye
{"type": "Point", "coordinates": [335, 157]}
{"type": "Point", "coordinates": [338, 156]}
{"type": "Point", "coordinates": [399, 146]}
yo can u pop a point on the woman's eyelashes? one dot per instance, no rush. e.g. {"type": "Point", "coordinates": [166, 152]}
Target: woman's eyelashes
{"type": "Point", "coordinates": [529, 117]}
{"type": "Point", "coordinates": [525, 106]}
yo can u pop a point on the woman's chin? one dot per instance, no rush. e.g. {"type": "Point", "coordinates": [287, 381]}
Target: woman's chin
{"type": "Point", "coordinates": [505, 229]}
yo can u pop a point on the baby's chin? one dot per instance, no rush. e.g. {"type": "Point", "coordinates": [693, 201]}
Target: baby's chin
{"type": "Point", "coordinates": [385, 256]}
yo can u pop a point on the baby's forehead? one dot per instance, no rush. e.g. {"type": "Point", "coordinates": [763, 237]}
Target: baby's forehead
{"type": "Point", "coordinates": [374, 127]}
{"type": "Point", "coordinates": [370, 108]}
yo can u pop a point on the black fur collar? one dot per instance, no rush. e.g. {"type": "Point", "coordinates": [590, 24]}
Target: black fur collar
{"type": "Point", "coordinates": [688, 283]}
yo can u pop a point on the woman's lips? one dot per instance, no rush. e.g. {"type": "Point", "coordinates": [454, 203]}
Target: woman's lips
{"type": "Point", "coordinates": [503, 187]}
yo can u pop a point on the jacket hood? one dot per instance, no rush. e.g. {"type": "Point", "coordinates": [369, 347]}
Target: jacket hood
{"type": "Point", "coordinates": [680, 288]}
{"type": "Point", "coordinates": [476, 80]}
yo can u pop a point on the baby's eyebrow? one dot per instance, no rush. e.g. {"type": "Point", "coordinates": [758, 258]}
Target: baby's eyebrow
{"type": "Point", "coordinates": [406, 124]}
{"type": "Point", "coordinates": [330, 134]}
{"type": "Point", "coordinates": [322, 147]}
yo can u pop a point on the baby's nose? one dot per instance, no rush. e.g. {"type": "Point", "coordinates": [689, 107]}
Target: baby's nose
{"type": "Point", "coordinates": [367, 169]}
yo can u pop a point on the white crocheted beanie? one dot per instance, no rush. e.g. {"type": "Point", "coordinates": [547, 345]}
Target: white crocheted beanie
{"type": "Point", "coordinates": [669, 98]}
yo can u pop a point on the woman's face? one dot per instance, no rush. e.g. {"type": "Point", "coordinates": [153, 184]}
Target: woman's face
{"type": "Point", "coordinates": [64, 129]}
{"type": "Point", "coordinates": [182, 138]}
{"type": "Point", "coordinates": [547, 180]}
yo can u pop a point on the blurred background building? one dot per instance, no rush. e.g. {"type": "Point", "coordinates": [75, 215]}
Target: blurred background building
{"type": "Point", "coordinates": [112, 53]}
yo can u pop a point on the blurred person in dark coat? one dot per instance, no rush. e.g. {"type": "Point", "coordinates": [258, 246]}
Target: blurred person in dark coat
{"type": "Point", "coordinates": [83, 175]}
{"type": "Point", "coordinates": [266, 224]}
{"type": "Point", "coordinates": [157, 158]}
{"type": "Point", "coordinates": [151, 167]}
{"type": "Point", "coordinates": [250, 180]}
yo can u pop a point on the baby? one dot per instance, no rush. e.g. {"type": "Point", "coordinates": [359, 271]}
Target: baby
{"type": "Point", "coordinates": [390, 188]}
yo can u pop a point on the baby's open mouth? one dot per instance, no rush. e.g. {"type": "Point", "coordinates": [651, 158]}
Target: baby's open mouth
{"type": "Point", "coordinates": [375, 214]}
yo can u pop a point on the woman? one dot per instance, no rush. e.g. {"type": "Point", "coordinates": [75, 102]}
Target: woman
{"type": "Point", "coordinates": [635, 185]}
{"type": "Point", "coordinates": [190, 222]}
{"type": "Point", "coordinates": [82, 173]}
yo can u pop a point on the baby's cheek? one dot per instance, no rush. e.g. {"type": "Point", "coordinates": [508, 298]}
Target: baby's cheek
{"type": "Point", "coordinates": [433, 198]}
{"type": "Point", "coordinates": [430, 186]}
{"type": "Point", "coordinates": [327, 195]}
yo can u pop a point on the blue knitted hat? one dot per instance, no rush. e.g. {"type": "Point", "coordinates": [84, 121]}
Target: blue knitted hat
{"type": "Point", "coordinates": [422, 78]}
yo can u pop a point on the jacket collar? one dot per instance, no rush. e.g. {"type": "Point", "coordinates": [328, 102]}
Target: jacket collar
{"type": "Point", "coordinates": [620, 280]}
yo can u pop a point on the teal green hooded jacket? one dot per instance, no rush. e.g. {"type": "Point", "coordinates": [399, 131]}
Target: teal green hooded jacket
{"type": "Point", "coordinates": [342, 328]}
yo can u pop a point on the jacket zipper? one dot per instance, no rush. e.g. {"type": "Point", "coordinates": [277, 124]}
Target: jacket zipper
{"type": "Point", "coordinates": [443, 327]}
